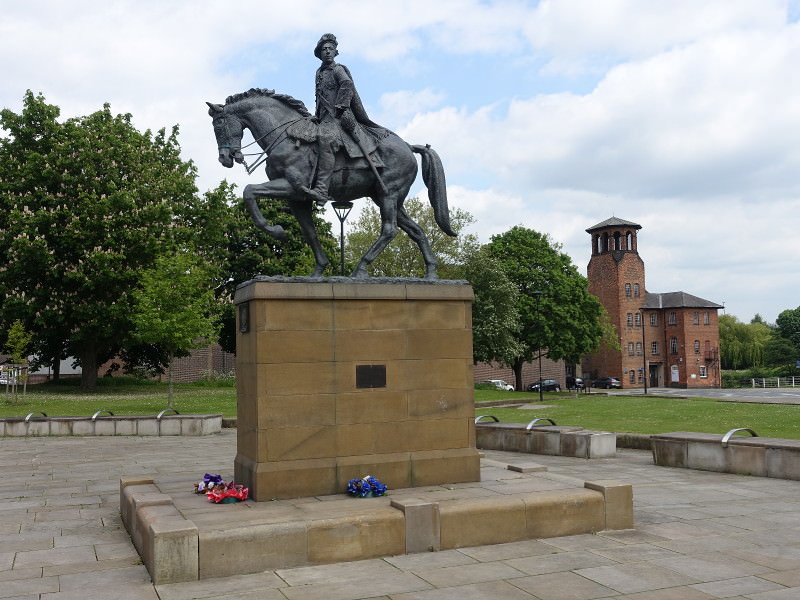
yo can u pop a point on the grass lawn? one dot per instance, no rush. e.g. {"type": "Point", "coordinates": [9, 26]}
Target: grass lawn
{"type": "Point", "coordinates": [648, 414]}
{"type": "Point", "coordinates": [122, 396]}
{"type": "Point", "coordinates": [634, 414]}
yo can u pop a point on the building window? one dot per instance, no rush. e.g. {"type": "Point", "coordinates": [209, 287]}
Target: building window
{"type": "Point", "coordinates": [599, 244]}
{"type": "Point", "coordinates": [703, 371]}
{"type": "Point", "coordinates": [697, 346]}
{"type": "Point", "coordinates": [705, 319]}
{"type": "Point", "coordinates": [628, 289]}
{"type": "Point", "coordinates": [636, 289]}
{"type": "Point", "coordinates": [637, 319]}
{"type": "Point", "coordinates": [673, 345]}
{"type": "Point", "coordinates": [630, 319]}
{"type": "Point", "coordinates": [633, 376]}
{"type": "Point", "coordinates": [654, 319]}
{"type": "Point", "coordinates": [696, 318]}
{"type": "Point", "coordinates": [630, 348]}
{"type": "Point", "coordinates": [629, 238]}
{"type": "Point", "coordinates": [641, 375]}
{"type": "Point", "coordinates": [673, 319]}
{"type": "Point", "coordinates": [638, 348]}
{"type": "Point", "coordinates": [654, 348]}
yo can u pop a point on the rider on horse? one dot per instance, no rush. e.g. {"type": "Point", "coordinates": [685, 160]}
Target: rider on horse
{"type": "Point", "coordinates": [343, 122]}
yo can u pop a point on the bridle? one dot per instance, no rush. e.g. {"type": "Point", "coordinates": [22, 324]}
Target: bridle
{"type": "Point", "coordinates": [261, 157]}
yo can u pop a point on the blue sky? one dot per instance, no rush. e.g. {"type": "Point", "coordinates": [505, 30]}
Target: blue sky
{"type": "Point", "coordinates": [679, 115]}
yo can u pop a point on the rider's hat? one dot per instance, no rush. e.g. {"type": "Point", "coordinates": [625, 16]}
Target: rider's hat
{"type": "Point", "coordinates": [328, 37]}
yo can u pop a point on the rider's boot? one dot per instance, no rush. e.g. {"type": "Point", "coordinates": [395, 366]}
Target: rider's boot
{"type": "Point", "coordinates": [325, 164]}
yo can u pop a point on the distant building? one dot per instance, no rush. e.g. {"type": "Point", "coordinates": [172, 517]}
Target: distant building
{"type": "Point", "coordinates": [672, 339]}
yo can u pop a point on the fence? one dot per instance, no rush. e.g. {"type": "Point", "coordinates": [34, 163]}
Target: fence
{"type": "Point", "coordinates": [776, 382]}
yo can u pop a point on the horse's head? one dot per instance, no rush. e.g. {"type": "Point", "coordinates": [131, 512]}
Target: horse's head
{"type": "Point", "coordinates": [228, 130]}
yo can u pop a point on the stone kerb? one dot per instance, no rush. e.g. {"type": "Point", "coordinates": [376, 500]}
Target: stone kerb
{"type": "Point", "coordinates": [110, 425]}
{"type": "Point", "coordinates": [756, 456]}
{"type": "Point", "coordinates": [554, 440]}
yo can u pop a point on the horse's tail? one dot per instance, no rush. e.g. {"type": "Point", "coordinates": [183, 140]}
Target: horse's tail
{"type": "Point", "coordinates": [433, 177]}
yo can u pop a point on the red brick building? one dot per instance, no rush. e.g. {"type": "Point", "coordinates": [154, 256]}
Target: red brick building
{"type": "Point", "coordinates": [672, 339]}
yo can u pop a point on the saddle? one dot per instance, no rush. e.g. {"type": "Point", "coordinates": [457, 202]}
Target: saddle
{"type": "Point", "coordinates": [307, 131]}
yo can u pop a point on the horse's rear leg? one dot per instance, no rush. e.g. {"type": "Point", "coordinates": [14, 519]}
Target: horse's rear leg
{"type": "Point", "coordinates": [388, 233]}
{"type": "Point", "coordinates": [304, 215]}
{"type": "Point", "coordinates": [416, 233]}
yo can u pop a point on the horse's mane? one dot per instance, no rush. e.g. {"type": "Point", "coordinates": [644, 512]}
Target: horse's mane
{"type": "Point", "coordinates": [284, 98]}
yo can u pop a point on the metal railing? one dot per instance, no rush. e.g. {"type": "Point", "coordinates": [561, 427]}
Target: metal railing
{"type": "Point", "coordinates": [775, 382]}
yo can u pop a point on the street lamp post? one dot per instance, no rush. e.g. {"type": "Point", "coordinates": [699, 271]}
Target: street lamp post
{"type": "Point", "coordinates": [342, 209]}
{"type": "Point", "coordinates": [538, 295]}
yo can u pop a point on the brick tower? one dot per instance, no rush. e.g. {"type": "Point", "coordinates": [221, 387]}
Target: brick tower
{"type": "Point", "coordinates": [616, 277]}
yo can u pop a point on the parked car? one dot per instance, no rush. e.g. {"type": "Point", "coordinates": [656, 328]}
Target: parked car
{"type": "Point", "coordinates": [575, 383]}
{"type": "Point", "coordinates": [500, 384]}
{"type": "Point", "coordinates": [548, 385]}
{"type": "Point", "coordinates": [607, 383]}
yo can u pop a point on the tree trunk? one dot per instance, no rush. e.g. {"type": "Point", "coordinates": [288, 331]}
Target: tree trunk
{"type": "Point", "coordinates": [88, 356]}
{"type": "Point", "coordinates": [517, 367]}
{"type": "Point", "coordinates": [169, 394]}
{"type": "Point", "coordinates": [56, 369]}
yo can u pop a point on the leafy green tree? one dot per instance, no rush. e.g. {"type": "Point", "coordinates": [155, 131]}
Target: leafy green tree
{"type": "Point", "coordinates": [175, 307]}
{"type": "Point", "coordinates": [85, 206]}
{"type": "Point", "coordinates": [495, 315]}
{"type": "Point", "coordinates": [742, 345]}
{"type": "Point", "coordinates": [402, 257]}
{"type": "Point", "coordinates": [558, 315]}
{"type": "Point", "coordinates": [788, 325]}
{"type": "Point", "coordinates": [18, 342]}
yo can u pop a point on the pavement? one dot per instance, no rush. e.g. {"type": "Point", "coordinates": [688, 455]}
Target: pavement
{"type": "Point", "coordinates": [698, 535]}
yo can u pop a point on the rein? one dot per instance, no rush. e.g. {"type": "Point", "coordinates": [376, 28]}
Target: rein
{"type": "Point", "coordinates": [263, 156]}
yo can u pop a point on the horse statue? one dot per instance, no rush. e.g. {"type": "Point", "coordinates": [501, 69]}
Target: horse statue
{"type": "Point", "coordinates": [284, 130]}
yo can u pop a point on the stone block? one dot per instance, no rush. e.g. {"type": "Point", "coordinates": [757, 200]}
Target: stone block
{"type": "Point", "coordinates": [439, 434]}
{"type": "Point", "coordinates": [392, 469]}
{"type": "Point", "coordinates": [574, 443]}
{"type": "Point", "coordinates": [316, 410]}
{"type": "Point", "coordinates": [441, 403]}
{"type": "Point", "coordinates": [104, 426]}
{"type": "Point", "coordinates": [422, 524]}
{"type": "Point", "coordinates": [436, 467]}
{"type": "Point", "coordinates": [433, 374]}
{"type": "Point", "coordinates": [381, 532]}
{"type": "Point", "coordinates": [481, 521]}
{"type": "Point", "coordinates": [362, 345]}
{"type": "Point", "coordinates": [371, 406]}
{"type": "Point", "coordinates": [527, 467]}
{"type": "Point", "coordinates": [295, 346]}
{"type": "Point", "coordinates": [563, 512]}
{"type": "Point", "coordinates": [451, 343]}
{"type": "Point", "coordinates": [705, 456]}
{"type": "Point", "coordinates": [618, 498]}
{"type": "Point", "coordinates": [297, 443]}
{"type": "Point", "coordinates": [251, 548]}
{"type": "Point", "coordinates": [372, 315]}
{"type": "Point", "coordinates": [462, 291]}
{"type": "Point", "coordinates": [287, 479]}
{"type": "Point", "coordinates": [303, 379]}
{"type": "Point", "coordinates": [37, 427]}
{"type": "Point", "coordinates": [61, 426]}
{"type": "Point", "coordinates": [127, 486]}
{"type": "Point", "coordinates": [602, 444]}
{"type": "Point", "coordinates": [147, 427]}
{"type": "Point", "coordinates": [669, 453]}
{"type": "Point", "coordinates": [442, 314]}
{"type": "Point", "coordinates": [783, 463]}
{"type": "Point", "coordinates": [747, 459]}
{"type": "Point", "coordinates": [296, 314]}
{"type": "Point", "coordinates": [174, 551]}
{"type": "Point", "coordinates": [169, 425]}
{"type": "Point", "coordinates": [123, 426]}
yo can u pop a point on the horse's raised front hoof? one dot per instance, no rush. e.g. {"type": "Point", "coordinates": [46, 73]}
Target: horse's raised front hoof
{"type": "Point", "coordinates": [277, 232]}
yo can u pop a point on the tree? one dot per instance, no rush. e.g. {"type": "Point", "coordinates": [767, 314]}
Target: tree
{"type": "Point", "coordinates": [18, 343]}
{"type": "Point", "coordinates": [495, 316]}
{"type": "Point", "coordinates": [788, 325]}
{"type": "Point", "coordinates": [402, 257]}
{"type": "Point", "coordinates": [558, 315]}
{"type": "Point", "coordinates": [742, 345]}
{"type": "Point", "coordinates": [86, 205]}
{"type": "Point", "coordinates": [175, 306]}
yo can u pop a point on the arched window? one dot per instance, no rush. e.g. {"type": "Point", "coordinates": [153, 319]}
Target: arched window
{"type": "Point", "coordinates": [638, 348]}
{"type": "Point", "coordinates": [598, 242]}
{"type": "Point", "coordinates": [630, 319]}
{"type": "Point", "coordinates": [637, 320]}
{"type": "Point", "coordinates": [617, 238]}
{"type": "Point", "coordinates": [630, 348]}
{"type": "Point", "coordinates": [654, 319]}
{"type": "Point", "coordinates": [629, 240]}
{"type": "Point", "coordinates": [636, 290]}
{"type": "Point", "coordinates": [673, 345]}
{"type": "Point", "coordinates": [628, 289]}
{"type": "Point", "coordinates": [697, 346]}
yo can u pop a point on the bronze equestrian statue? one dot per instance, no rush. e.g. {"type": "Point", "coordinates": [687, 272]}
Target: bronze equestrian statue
{"type": "Point", "coordinates": [338, 154]}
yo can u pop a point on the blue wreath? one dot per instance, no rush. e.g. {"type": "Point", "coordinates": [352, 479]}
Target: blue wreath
{"type": "Point", "coordinates": [366, 486]}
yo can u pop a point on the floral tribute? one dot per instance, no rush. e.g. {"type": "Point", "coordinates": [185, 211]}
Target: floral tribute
{"type": "Point", "coordinates": [216, 490]}
{"type": "Point", "coordinates": [366, 487]}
